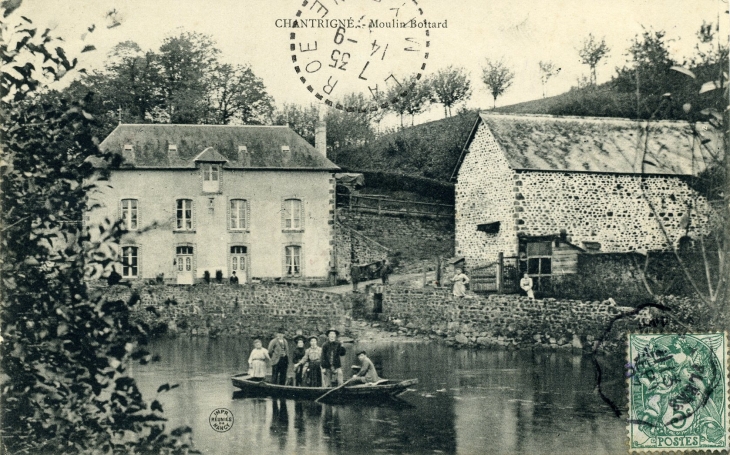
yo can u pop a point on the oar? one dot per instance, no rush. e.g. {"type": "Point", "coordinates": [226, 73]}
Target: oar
{"type": "Point", "coordinates": [332, 390]}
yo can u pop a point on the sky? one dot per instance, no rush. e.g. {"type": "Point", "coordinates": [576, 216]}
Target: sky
{"type": "Point", "coordinates": [520, 32]}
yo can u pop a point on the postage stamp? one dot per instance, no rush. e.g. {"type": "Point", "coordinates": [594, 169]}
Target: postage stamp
{"type": "Point", "coordinates": [678, 397]}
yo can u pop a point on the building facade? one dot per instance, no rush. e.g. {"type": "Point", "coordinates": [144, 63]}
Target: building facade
{"type": "Point", "coordinates": [543, 189]}
{"type": "Point", "coordinates": [202, 201]}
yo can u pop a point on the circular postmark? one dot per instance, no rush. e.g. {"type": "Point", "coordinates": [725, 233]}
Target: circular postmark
{"type": "Point", "coordinates": [677, 390]}
{"type": "Point", "coordinates": [376, 48]}
{"type": "Point", "coordinates": [221, 420]}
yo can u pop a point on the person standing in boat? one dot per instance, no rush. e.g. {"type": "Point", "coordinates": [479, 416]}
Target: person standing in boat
{"type": "Point", "coordinates": [279, 352]}
{"type": "Point", "coordinates": [297, 356]}
{"type": "Point", "coordinates": [332, 350]}
{"type": "Point", "coordinates": [312, 363]}
{"type": "Point", "coordinates": [257, 361]}
{"type": "Point", "coordinates": [367, 373]}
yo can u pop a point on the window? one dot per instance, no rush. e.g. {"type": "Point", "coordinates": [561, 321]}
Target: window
{"type": "Point", "coordinates": [210, 172]}
{"type": "Point", "coordinates": [292, 214]}
{"type": "Point", "coordinates": [211, 177]}
{"type": "Point", "coordinates": [129, 214]}
{"type": "Point", "coordinates": [293, 260]}
{"type": "Point", "coordinates": [239, 209]}
{"type": "Point", "coordinates": [130, 265]}
{"type": "Point", "coordinates": [539, 263]}
{"type": "Point", "coordinates": [184, 214]}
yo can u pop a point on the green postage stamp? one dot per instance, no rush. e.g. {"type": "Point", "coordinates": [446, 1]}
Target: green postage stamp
{"type": "Point", "coordinates": [678, 397]}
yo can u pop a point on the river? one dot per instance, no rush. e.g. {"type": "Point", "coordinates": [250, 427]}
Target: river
{"type": "Point", "coordinates": [467, 402]}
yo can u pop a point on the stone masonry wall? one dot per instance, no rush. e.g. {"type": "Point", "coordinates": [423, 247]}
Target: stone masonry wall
{"type": "Point", "coordinates": [415, 240]}
{"type": "Point", "coordinates": [611, 209]}
{"type": "Point", "coordinates": [501, 320]}
{"type": "Point", "coordinates": [223, 309]}
{"type": "Point", "coordinates": [351, 243]}
{"type": "Point", "coordinates": [607, 208]}
{"type": "Point", "coordinates": [483, 194]}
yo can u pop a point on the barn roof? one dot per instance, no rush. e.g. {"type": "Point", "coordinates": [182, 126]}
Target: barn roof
{"type": "Point", "coordinates": [263, 147]}
{"type": "Point", "coordinates": [592, 144]}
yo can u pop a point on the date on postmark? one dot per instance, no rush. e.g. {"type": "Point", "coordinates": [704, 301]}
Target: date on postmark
{"type": "Point", "coordinates": [678, 397]}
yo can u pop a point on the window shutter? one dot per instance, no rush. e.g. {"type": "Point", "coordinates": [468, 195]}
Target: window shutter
{"type": "Point", "coordinates": [193, 215]}
{"type": "Point", "coordinates": [119, 209]}
{"type": "Point", "coordinates": [248, 214]}
{"type": "Point", "coordinates": [283, 214]}
{"type": "Point", "coordinates": [301, 214]}
{"type": "Point", "coordinates": [228, 213]}
{"type": "Point", "coordinates": [174, 214]}
{"type": "Point", "coordinates": [139, 214]}
{"type": "Point", "coordinates": [301, 259]}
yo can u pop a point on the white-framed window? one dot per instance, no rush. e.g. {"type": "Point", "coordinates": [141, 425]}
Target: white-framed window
{"type": "Point", "coordinates": [130, 261]}
{"type": "Point", "coordinates": [184, 258]}
{"type": "Point", "coordinates": [238, 214]}
{"type": "Point", "coordinates": [211, 177]}
{"type": "Point", "coordinates": [184, 215]}
{"type": "Point", "coordinates": [293, 214]}
{"type": "Point", "coordinates": [293, 260]}
{"type": "Point", "coordinates": [238, 259]}
{"type": "Point", "coordinates": [130, 214]}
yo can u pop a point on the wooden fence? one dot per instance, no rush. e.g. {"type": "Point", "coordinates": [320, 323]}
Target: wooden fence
{"type": "Point", "coordinates": [389, 206]}
{"type": "Point", "coordinates": [500, 276]}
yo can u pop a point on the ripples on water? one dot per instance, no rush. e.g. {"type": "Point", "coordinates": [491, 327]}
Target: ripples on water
{"type": "Point", "coordinates": [467, 402]}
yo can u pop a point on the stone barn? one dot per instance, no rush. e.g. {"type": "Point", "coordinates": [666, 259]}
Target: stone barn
{"type": "Point", "coordinates": [541, 190]}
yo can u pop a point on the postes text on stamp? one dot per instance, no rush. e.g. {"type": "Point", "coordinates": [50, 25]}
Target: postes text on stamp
{"type": "Point", "coordinates": [677, 392]}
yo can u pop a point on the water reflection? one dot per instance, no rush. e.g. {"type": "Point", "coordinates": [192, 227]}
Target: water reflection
{"type": "Point", "coordinates": [467, 402]}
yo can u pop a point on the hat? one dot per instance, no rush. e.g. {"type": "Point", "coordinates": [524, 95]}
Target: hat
{"type": "Point", "coordinates": [280, 330]}
{"type": "Point", "coordinates": [337, 332]}
{"type": "Point", "coordinates": [299, 337]}
{"type": "Point", "coordinates": [313, 337]}
{"type": "Point", "coordinates": [361, 352]}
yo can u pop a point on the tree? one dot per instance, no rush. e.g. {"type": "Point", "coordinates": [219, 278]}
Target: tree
{"type": "Point", "coordinates": [65, 348]}
{"type": "Point", "coordinates": [497, 77]}
{"type": "Point", "coordinates": [237, 95]}
{"type": "Point", "coordinates": [410, 97]}
{"type": "Point", "coordinates": [547, 70]}
{"type": "Point", "coordinates": [450, 86]}
{"type": "Point", "coordinates": [187, 62]}
{"type": "Point", "coordinates": [592, 52]}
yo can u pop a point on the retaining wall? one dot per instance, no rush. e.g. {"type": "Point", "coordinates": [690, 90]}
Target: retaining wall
{"type": "Point", "coordinates": [222, 309]}
{"type": "Point", "coordinates": [501, 320]}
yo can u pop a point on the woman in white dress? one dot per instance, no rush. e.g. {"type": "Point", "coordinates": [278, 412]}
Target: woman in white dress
{"type": "Point", "coordinates": [460, 281]}
{"type": "Point", "coordinates": [258, 361]}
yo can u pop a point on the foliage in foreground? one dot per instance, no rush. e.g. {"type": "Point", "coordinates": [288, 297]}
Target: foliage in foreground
{"type": "Point", "coordinates": [65, 349]}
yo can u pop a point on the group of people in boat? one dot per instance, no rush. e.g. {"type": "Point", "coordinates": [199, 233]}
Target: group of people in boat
{"type": "Point", "coordinates": [313, 366]}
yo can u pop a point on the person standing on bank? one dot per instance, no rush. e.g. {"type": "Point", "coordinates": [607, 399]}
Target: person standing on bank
{"type": "Point", "coordinates": [385, 271]}
{"type": "Point", "coordinates": [332, 350]}
{"type": "Point", "coordinates": [354, 275]}
{"type": "Point", "coordinates": [257, 361]}
{"type": "Point", "coordinates": [279, 353]}
{"type": "Point", "coordinates": [297, 356]}
{"type": "Point", "coordinates": [367, 373]}
{"type": "Point", "coordinates": [233, 279]}
{"type": "Point", "coordinates": [460, 281]}
{"type": "Point", "coordinates": [526, 285]}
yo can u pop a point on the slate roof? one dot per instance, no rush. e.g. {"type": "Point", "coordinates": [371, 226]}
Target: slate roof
{"type": "Point", "coordinates": [263, 145]}
{"type": "Point", "coordinates": [593, 144]}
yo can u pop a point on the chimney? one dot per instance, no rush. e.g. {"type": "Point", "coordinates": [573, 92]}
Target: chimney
{"type": "Point", "coordinates": [320, 134]}
{"type": "Point", "coordinates": [244, 159]}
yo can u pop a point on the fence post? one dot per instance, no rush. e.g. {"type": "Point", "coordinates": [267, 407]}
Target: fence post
{"type": "Point", "coordinates": [350, 201]}
{"type": "Point", "coordinates": [500, 273]}
{"type": "Point", "coordinates": [379, 200]}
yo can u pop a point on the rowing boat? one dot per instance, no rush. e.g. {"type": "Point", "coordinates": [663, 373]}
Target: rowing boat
{"type": "Point", "coordinates": [384, 388]}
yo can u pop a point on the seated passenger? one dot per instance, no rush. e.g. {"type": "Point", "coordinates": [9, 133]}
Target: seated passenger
{"type": "Point", "coordinates": [367, 373]}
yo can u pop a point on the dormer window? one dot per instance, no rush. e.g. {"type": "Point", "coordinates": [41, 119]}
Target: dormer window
{"type": "Point", "coordinates": [172, 148]}
{"type": "Point", "coordinates": [128, 153]}
{"type": "Point", "coordinates": [211, 177]}
{"type": "Point", "coordinates": [285, 149]}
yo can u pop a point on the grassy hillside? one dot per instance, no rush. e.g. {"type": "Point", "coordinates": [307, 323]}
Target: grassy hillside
{"type": "Point", "coordinates": [428, 150]}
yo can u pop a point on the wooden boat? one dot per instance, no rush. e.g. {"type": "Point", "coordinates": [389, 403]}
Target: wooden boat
{"type": "Point", "coordinates": [384, 388]}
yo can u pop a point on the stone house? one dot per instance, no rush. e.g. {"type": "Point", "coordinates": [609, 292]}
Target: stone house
{"type": "Point", "coordinates": [545, 189]}
{"type": "Point", "coordinates": [204, 200]}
